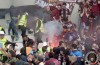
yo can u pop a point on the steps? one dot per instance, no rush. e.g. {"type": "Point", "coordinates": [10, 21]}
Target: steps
{"type": "Point", "coordinates": [5, 25]}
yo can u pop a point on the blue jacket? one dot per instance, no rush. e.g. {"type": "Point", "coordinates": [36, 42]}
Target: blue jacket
{"type": "Point", "coordinates": [76, 53]}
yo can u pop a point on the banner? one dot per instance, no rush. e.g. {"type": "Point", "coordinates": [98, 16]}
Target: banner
{"type": "Point", "coordinates": [70, 0]}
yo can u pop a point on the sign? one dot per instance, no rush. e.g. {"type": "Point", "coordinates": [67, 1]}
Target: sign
{"type": "Point", "coordinates": [41, 3]}
{"type": "Point", "coordinates": [70, 0]}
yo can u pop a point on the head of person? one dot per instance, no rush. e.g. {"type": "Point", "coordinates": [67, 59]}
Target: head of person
{"type": "Point", "coordinates": [34, 48]}
{"type": "Point", "coordinates": [10, 47]}
{"type": "Point", "coordinates": [26, 13]}
{"type": "Point", "coordinates": [44, 48]}
{"type": "Point", "coordinates": [2, 34]}
{"type": "Point", "coordinates": [51, 55]}
{"type": "Point", "coordinates": [56, 50]}
{"type": "Point", "coordinates": [40, 58]}
{"type": "Point", "coordinates": [54, 4]}
{"type": "Point", "coordinates": [95, 46]}
{"type": "Point", "coordinates": [62, 50]}
{"type": "Point", "coordinates": [74, 46]}
{"type": "Point", "coordinates": [51, 63]}
{"type": "Point", "coordinates": [47, 8]}
{"type": "Point", "coordinates": [12, 6]}
{"type": "Point", "coordinates": [59, 7]}
{"type": "Point", "coordinates": [61, 43]}
{"type": "Point", "coordinates": [25, 37]}
{"type": "Point", "coordinates": [64, 5]}
{"type": "Point", "coordinates": [98, 29]}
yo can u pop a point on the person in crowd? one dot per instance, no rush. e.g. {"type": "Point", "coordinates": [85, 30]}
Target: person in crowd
{"type": "Point", "coordinates": [22, 22]}
{"type": "Point", "coordinates": [95, 11]}
{"type": "Point", "coordinates": [23, 54]}
{"type": "Point", "coordinates": [12, 24]}
{"type": "Point", "coordinates": [54, 6]}
{"type": "Point", "coordinates": [52, 59]}
{"type": "Point", "coordinates": [28, 48]}
{"type": "Point", "coordinates": [30, 59]}
{"type": "Point", "coordinates": [3, 43]}
{"type": "Point", "coordinates": [64, 13]}
{"type": "Point", "coordinates": [10, 54]}
{"type": "Point", "coordinates": [34, 50]}
{"type": "Point", "coordinates": [27, 40]}
{"type": "Point", "coordinates": [39, 28]}
{"type": "Point", "coordinates": [88, 42]}
{"type": "Point", "coordinates": [77, 53]}
{"type": "Point", "coordinates": [56, 51]}
{"type": "Point", "coordinates": [95, 47]}
{"type": "Point", "coordinates": [84, 17]}
{"type": "Point", "coordinates": [40, 59]}
{"type": "Point", "coordinates": [20, 61]}
{"type": "Point", "coordinates": [98, 37]}
{"type": "Point", "coordinates": [55, 15]}
{"type": "Point", "coordinates": [46, 14]}
{"type": "Point", "coordinates": [92, 23]}
{"type": "Point", "coordinates": [45, 50]}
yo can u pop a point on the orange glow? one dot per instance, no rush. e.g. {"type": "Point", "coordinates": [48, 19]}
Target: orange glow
{"type": "Point", "coordinates": [54, 42]}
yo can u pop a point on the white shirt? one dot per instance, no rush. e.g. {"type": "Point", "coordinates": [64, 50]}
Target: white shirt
{"type": "Point", "coordinates": [41, 63]}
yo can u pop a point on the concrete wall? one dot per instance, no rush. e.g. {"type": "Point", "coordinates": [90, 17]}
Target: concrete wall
{"type": "Point", "coordinates": [5, 4]}
{"type": "Point", "coordinates": [23, 2]}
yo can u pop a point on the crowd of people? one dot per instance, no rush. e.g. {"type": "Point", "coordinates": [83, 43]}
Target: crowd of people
{"type": "Point", "coordinates": [74, 43]}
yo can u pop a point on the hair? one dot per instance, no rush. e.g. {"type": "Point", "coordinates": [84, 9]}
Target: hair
{"type": "Point", "coordinates": [74, 46]}
{"type": "Point", "coordinates": [40, 58]}
{"type": "Point", "coordinates": [64, 3]}
{"type": "Point", "coordinates": [12, 47]}
{"type": "Point", "coordinates": [51, 55]}
{"type": "Point", "coordinates": [56, 50]}
{"type": "Point", "coordinates": [51, 63]}
{"type": "Point", "coordinates": [26, 63]}
{"type": "Point", "coordinates": [60, 43]}
{"type": "Point", "coordinates": [44, 48]}
{"type": "Point", "coordinates": [24, 36]}
{"type": "Point", "coordinates": [62, 49]}
{"type": "Point", "coordinates": [22, 51]}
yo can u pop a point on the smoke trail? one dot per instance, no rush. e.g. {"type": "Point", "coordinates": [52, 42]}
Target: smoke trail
{"type": "Point", "coordinates": [52, 29]}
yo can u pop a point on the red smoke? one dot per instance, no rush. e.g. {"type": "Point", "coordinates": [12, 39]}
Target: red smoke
{"type": "Point", "coordinates": [54, 42]}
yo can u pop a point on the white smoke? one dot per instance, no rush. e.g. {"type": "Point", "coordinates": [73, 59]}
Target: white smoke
{"type": "Point", "coordinates": [51, 29]}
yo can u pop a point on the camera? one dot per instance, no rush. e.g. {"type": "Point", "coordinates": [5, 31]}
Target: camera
{"type": "Point", "coordinates": [91, 58]}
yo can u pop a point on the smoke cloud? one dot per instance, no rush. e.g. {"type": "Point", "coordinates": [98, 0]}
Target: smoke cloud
{"type": "Point", "coordinates": [52, 29]}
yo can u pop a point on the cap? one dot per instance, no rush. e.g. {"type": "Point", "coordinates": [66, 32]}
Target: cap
{"type": "Point", "coordinates": [2, 32]}
{"type": "Point", "coordinates": [45, 43]}
{"type": "Point", "coordinates": [26, 13]}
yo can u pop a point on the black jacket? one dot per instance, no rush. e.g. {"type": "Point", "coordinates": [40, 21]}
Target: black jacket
{"type": "Point", "coordinates": [30, 41]}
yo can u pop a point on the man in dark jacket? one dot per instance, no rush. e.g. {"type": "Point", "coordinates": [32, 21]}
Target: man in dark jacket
{"type": "Point", "coordinates": [27, 40]}
{"type": "Point", "coordinates": [12, 24]}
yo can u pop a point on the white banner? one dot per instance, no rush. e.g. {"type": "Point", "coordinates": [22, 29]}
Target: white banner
{"type": "Point", "coordinates": [70, 0]}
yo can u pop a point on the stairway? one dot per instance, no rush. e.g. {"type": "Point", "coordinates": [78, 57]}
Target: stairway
{"type": "Point", "coordinates": [5, 24]}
